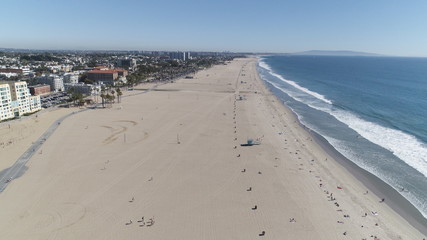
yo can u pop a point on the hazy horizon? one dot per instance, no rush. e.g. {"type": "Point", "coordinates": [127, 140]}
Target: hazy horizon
{"type": "Point", "coordinates": [308, 52]}
{"type": "Point", "coordinates": [390, 28]}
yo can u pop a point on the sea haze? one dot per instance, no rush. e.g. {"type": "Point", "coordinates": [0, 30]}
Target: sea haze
{"type": "Point", "coordinates": [373, 110]}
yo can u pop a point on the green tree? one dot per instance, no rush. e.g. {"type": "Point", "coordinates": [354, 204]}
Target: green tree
{"type": "Point", "coordinates": [70, 93]}
{"type": "Point", "coordinates": [130, 80]}
{"type": "Point", "coordinates": [78, 99]}
{"type": "Point", "coordinates": [92, 63]}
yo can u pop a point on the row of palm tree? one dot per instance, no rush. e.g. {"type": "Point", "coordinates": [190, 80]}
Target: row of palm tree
{"type": "Point", "coordinates": [108, 95]}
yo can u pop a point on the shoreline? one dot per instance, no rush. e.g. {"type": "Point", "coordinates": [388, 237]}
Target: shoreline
{"type": "Point", "coordinates": [375, 185]}
{"type": "Point", "coordinates": [394, 200]}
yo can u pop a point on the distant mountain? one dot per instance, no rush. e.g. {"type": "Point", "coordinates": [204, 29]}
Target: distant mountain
{"type": "Point", "coordinates": [335, 53]}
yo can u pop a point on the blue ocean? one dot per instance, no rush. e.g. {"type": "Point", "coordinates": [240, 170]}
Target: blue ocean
{"type": "Point", "coordinates": [373, 110]}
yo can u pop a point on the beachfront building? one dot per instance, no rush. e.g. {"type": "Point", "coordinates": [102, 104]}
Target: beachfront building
{"type": "Point", "coordinates": [20, 97]}
{"type": "Point", "coordinates": [16, 100]}
{"type": "Point", "coordinates": [86, 89]}
{"type": "Point", "coordinates": [35, 103]}
{"type": "Point", "coordinates": [5, 102]}
{"type": "Point", "coordinates": [107, 75]}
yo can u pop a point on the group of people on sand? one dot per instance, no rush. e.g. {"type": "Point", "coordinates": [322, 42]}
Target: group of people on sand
{"type": "Point", "coordinates": [331, 198]}
{"type": "Point", "coordinates": [143, 223]}
{"type": "Point", "coordinates": [244, 170]}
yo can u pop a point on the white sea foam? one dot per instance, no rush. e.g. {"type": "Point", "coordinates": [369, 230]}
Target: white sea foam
{"type": "Point", "coordinates": [264, 65]}
{"type": "Point", "coordinates": [372, 132]}
{"type": "Point", "coordinates": [404, 146]}
{"type": "Point", "coordinates": [294, 84]}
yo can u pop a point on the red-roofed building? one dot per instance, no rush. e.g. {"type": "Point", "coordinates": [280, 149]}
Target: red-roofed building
{"type": "Point", "coordinates": [11, 70]}
{"type": "Point", "coordinates": [106, 75]}
{"type": "Point", "coordinates": [122, 72]}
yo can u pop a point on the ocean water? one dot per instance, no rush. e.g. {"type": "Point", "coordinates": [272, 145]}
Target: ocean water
{"type": "Point", "coordinates": [373, 110]}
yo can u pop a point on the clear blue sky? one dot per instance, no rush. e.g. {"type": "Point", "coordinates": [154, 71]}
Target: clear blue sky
{"type": "Point", "coordinates": [391, 27]}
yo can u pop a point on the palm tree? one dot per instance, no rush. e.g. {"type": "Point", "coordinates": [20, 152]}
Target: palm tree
{"type": "Point", "coordinates": [107, 97]}
{"type": "Point", "coordinates": [110, 98]}
{"type": "Point", "coordinates": [112, 94]}
{"type": "Point", "coordinates": [70, 93]}
{"type": "Point", "coordinates": [119, 94]}
{"type": "Point", "coordinates": [103, 99]}
{"type": "Point", "coordinates": [103, 96]}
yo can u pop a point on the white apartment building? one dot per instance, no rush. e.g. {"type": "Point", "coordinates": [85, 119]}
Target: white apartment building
{"type": "Point", "coordinates": [16, 100]}
{"type": "Point", "coordinates": [35, 103]}
{"type": "Point", "coordinates": [20, 95]}
{"type": "Point", "coordinates": [87, 89]}
{"type": "Point", "coordinates": [71, 78]}
{"type": "Point", "coordinates": [5, 102]}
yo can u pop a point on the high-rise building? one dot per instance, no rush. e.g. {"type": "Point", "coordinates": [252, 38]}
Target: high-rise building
{"type": "Point", "coordinates": [187, 56]}
{"type": "Point", "coordinates": [179, 55]}
{"type": "Point", "coordinates": [127, 63]}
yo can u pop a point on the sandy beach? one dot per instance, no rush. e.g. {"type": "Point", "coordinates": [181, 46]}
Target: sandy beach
{"type": "Point", "coordinates": [17, 135]}
{"type": "Point", "coordinates": [168, 164]}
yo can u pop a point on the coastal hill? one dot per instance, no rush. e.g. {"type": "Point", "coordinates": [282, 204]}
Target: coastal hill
{"type": "Point", "coordinates": [335, 53]}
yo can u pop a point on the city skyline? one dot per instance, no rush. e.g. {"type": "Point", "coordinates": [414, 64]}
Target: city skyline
{"type": "Point", "coordinates": [383, 27]}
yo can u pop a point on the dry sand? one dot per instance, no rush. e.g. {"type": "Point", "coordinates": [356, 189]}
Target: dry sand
{"type": "Point", "coordinates": [172, 155]}
{"type": "Point", "coordinates": [17, 136]}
